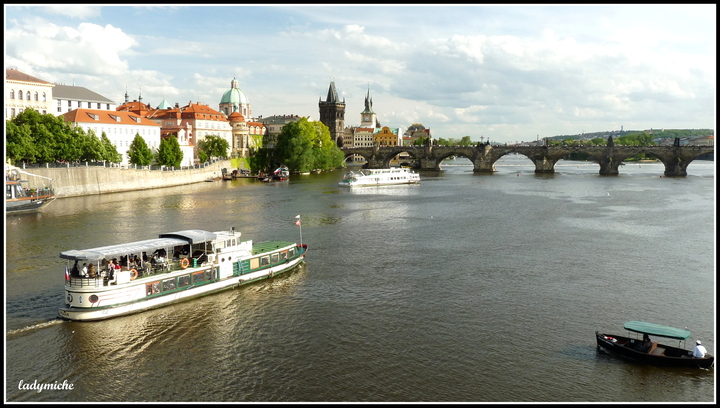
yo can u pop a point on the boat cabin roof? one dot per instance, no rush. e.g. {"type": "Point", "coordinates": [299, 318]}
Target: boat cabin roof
{"type": "Point", "coordinates": [166, 240]}
{"type": "Point", "coordinates": [657, 330]}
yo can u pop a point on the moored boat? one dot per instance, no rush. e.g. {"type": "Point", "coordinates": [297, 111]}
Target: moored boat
{"type": "Point", "coordinates": [379, 177]}
{"type": "Point", "coordinates": [126, 278]}
{"type": "Point", "coordinates": [651, 352]}
{"type": "Point", "coordinates": [19, 199]}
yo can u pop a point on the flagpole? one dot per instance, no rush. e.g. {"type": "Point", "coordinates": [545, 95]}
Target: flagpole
{"type": "Point", "coordinates": [299, 223]}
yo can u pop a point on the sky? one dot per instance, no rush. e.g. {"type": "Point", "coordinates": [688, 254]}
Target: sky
{"type": "Point", "coordinates": [504, 73]}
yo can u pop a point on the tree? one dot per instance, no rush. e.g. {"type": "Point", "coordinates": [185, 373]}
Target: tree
{"type": "Point", "coordinates": [169, 152]}
{"type": "Point", "coordinates": [19, 143]}
{"type": "Point", "coordinates": [304, 145]}
{"type": "Point", "coordinates": [111, 153]}
{"type": "Point", "coordinates": [139, 152]}
{"type": "Point", "coordinates": [92, 148]}
{"type": "Point", "coordinates": [212, 146]}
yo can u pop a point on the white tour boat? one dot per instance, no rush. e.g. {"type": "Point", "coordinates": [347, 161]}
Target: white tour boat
{"type": "Point", "coordinates": [132, 277]}
{"type": "Point", "coordinates": [379, 177]}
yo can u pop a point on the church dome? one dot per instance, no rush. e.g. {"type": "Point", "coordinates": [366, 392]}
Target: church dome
{"type": "Point", "coordinates": [234, 96]}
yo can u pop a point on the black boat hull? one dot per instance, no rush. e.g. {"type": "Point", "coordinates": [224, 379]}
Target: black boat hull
{"type": "Point", "coordinates": [669, 357]}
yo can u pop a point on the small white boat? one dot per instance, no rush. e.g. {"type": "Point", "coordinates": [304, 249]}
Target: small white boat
{"type": "Point", "coordinates": [379, 177]}
{"type": "Point", "coordinates": [132, 277]}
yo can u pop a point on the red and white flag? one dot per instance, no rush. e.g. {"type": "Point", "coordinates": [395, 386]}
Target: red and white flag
{"type": "Point", "coordinates": [298, 219]}
{"type": "Point", "coordinates": [67, 273]}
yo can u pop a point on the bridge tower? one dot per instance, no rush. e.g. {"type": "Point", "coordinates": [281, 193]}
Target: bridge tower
{"type": "Point", "coordinates": [332, 114]}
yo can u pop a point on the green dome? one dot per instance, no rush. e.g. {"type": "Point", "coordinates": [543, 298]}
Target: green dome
{"type": "Point", "coordinates": [235, 96]}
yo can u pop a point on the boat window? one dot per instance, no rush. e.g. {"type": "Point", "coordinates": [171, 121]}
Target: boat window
{"type": "Point", "coordinates": [168, 284]}
{"type": "Point", "coordinates": [291, 252]}
{"type": "Point", "coordinates": [209, 275]}
{"type": "Point", "coordinates": [183, 281]}
{"type": "Point", "coordinates": [283, 255]}
{"type": "Point", "coordinates": [152, 288]}
{"type": "Point", "coordinates": [264, 261]}
{"type": "Point", "coordinates": [198, 277]}
{"type": "Point", "coordinates": [275, 258]}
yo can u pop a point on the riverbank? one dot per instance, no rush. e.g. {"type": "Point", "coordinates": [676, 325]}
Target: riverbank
{"type": "Point", "coordinates": [90, 180]}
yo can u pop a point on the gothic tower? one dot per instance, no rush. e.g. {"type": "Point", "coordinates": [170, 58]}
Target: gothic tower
{"type": "Point", "coordinates": [368, 118]}
{"type": "Point", "coordinates": [332, 114]}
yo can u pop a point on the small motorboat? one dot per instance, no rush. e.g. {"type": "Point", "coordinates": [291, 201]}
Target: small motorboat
{"type": "Point", "coordinates": [651, 352]}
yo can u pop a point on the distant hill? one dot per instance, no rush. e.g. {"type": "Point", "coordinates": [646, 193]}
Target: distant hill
{"type": "Point", "coordinates": [657, 133]}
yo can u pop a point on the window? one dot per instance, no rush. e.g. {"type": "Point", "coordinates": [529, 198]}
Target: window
{"type": "Point", "coordinates": [28, 95]}
{"type": "Point", "coordinates": [168, 284]}
{"type": "Point", "coordinates": [283, 255]}
{"type": "Point", "coordinates": [265, 261]}
{"type": "Point", "coordinates": [152, 288]}
{"type": "Point", "coordinates": [36, 97]}
{"type": "Point", "coordinates": [291, 252]}
{"type": "Point", "coordinates": [198, 277]}
{"type": "Point", "coordinates": [69, 103]}
{"type": "Point", "coordinates": [44, 97]}
{"type": "Point", "coordinates": [20, 95]}
{"type": "Point", "coordinates": [275, 258]}
{"type": "Point", "coordinates": [183, 281]}
{"type": "Point", "coordinates": [12, 94]}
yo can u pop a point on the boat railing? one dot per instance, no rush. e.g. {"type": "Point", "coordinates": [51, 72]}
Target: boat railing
{"type": "Point", "coordinates": [87, 282]}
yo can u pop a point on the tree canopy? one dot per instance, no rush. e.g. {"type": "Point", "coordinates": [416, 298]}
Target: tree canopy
{"type": "Point", "coordinates": [139, 152]}
{"type": "Point", "coordinates": [169, 152]}
{"type": "Point", "coordinates": [305, 145]}
{"type": "Point", "coordinates": [212, 146]}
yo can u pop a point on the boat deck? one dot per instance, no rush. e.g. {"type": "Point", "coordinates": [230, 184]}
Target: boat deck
{"type": "Point", "coordinates": [261, 247]}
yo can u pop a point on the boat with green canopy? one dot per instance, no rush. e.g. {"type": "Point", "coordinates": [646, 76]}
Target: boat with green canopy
{"type": "Point", "coordinates": [647, 351]}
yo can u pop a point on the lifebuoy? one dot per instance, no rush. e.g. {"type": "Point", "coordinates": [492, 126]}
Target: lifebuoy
{"type": "Point", "coordinates": [134, 274]}
{"type": "Point", "coordinates": [184, 263]}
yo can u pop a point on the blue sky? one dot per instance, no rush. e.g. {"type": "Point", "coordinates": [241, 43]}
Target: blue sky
{"type": "Point", "coordinates": [508, 73]}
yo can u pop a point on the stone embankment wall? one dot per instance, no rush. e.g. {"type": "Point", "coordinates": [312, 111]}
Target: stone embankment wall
{"type": "Point", "coordinates": [79, 181]}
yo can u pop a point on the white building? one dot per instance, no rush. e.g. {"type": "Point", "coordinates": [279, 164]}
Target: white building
{"type": "Point", "coordinates": [67, 98]}
{"type": "Point", "coordinates": [23, 91]}
{"type": "Point", "coordinates": [120, 127]}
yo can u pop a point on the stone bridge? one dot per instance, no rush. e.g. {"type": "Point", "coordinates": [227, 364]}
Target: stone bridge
{"type": "Point", "coordinates": [483, 156]}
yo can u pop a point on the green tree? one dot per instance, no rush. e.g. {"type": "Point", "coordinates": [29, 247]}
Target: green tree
{"type": "Point", "coordinates": [92, 149]}
{"type": "Point", "coordinates": [212, 146]}
{"type": "Point", "coordinates": [139, 152]}
{"type": "Point", "coordinates": [294, 146]}
{"type": "Point", "coordinates": [169, 152]}
{"type": "Point", "coordinates": [111, 153]}
{"type": "Point", "coordinates": [19, 143]}
{"type": "Point", "coordinates": [465, 141]}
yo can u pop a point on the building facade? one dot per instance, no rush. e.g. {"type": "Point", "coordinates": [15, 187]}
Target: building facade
{"type": "Point", "coordinates": [23, 91]}
{"type": "Point", "coordinates": [67, 98]}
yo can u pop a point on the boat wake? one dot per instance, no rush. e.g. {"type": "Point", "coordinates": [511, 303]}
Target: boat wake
{"type": "Point", "coordinates": [35, 326]}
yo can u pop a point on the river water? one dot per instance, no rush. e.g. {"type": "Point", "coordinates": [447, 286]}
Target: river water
{"type": "Point", "coordinates": [463, 288]}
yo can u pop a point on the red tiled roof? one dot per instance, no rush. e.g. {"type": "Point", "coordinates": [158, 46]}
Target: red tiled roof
{"type": "Point", "coordinates": [15, 75]}
{"type": "Point", "coordinates": [106, 117]}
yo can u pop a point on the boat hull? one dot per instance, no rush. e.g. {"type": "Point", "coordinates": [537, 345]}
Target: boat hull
{"type": "Point", "coordinates": [673, 356]}
{"type": "Point", "coordinates": [26, 205]}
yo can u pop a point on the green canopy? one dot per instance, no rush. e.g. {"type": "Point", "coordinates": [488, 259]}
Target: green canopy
{"type": "Point", "coordinates": [657, 330]}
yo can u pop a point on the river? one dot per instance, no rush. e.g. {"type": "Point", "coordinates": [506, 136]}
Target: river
{"type": "Point", "coordinates": [463, 288]}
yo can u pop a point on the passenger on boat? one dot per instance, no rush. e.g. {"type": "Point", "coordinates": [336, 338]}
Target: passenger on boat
{"type": "Point", "coordinates": [118, 267]}
{"type": "Point", "coordinates": [92, 272]}
{"type": "Point", "coordinates": [699, 351]}
{"type": "Point", "coordinates": [75, 272]}
{"type": "Point", "coordinates": [111, 267]}
{"type": "Point", "coordinates": [645, 344]}
{"type": "Point", "coordinates": [84, 272]}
